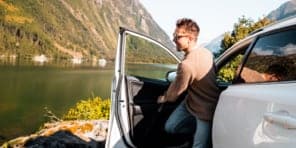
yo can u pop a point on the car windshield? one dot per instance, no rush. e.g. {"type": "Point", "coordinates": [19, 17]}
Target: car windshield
{"type": "Point", "coordinates": [215, 45]}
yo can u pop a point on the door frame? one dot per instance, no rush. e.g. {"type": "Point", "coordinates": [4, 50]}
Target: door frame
{"type": "Point", "coordinates": [119, 120]}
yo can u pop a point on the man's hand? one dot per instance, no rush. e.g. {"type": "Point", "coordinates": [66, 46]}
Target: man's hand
{"type": "Point", "coordinates": [161, 99]}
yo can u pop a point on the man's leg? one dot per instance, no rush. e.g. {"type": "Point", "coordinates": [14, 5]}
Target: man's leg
{"type": "Point", "coordinates": [180, 121]}
{"type": "Point", "coordinates": [202, 134]}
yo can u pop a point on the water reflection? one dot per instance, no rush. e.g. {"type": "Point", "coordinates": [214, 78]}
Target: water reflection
{"type": "Point", "coordinates": [41, 60]}
{"type": "Point", "coordinates": [27, 87]}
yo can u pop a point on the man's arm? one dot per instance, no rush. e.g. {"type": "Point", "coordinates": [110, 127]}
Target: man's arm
{"type": "Point", "coordinates": [179, 85]}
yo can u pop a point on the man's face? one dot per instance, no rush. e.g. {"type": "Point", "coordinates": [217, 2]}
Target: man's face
{"type": "Point", "coordinates": [181, 39]}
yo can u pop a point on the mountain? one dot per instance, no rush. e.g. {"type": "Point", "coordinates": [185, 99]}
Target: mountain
{"type": "Point", "coordinates": [214, 44]}
{"type": "Point", "coordinates": [63, 29]}
{"type": "Point", "coordinates": [285, 10]}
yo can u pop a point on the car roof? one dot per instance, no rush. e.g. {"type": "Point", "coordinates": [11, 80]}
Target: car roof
{"type": "Point", "coordinates": [289, 21]}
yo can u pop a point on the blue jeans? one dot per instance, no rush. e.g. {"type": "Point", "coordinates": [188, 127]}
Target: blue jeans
{"type": "Point", "coordinates": [181, 121]}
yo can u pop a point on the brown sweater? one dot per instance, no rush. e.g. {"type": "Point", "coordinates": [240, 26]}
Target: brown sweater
{"type": "Point", "coordinates": [196, 73]}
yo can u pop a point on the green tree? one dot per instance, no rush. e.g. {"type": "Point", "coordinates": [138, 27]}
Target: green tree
{"type": "Point", "coordinates": [241, 29]}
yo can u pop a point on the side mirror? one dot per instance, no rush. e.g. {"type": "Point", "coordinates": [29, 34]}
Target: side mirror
{"type": "Point", "coordinates": [171, 75]}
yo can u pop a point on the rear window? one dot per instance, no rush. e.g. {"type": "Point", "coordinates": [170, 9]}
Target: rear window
{"type": "Point", "coordinates": [273, 58]}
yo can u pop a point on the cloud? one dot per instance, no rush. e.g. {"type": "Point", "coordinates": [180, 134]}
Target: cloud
{"type": "Point", "coordinates": [262, 51]}
{"type": "Point", "coordinates": [282, 51]}
{"type": "Point", "coordinates": [289, 49]}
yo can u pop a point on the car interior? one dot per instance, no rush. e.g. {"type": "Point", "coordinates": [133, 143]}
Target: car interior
{"type": "Point", "coordinates": [147, 118]}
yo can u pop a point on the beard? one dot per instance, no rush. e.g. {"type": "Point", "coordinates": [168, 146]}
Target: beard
{"type": "Point", "coordinates": [178, 48]}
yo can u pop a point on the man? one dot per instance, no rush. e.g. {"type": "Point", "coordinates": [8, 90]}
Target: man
{"type": "Point", "coordinates": [195, 74]}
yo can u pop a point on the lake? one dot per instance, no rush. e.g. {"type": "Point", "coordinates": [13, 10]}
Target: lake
{"type": "Point", "coordinates": [26, 89]}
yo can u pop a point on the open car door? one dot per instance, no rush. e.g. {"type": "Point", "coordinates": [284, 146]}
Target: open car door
{"type": "Point", "coordinates": [141, 66]}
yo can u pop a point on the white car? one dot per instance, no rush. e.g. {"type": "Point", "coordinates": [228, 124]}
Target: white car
{"type": "Point", "coordinates": [257, 107]}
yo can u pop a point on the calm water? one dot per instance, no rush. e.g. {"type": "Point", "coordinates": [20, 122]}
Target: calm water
{"type": "Point", "coordinates": [26, 90]}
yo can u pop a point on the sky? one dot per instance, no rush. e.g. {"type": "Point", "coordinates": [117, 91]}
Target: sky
{"type": "Point", "coordinates": [214, 17]}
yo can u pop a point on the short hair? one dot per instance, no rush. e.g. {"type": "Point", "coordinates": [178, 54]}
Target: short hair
{"type": "Point", "coordinates": [277, 69]}
{"type": "Point", "coordinates": [189, 25]}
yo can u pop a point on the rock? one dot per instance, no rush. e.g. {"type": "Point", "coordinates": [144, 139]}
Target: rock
{"type": "Point", "coordinates": [91, 133]}
{"type": "Point", "coordinates": [62, 139]}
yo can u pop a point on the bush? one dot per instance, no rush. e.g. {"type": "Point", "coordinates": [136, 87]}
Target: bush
{"type": "Point", "coordinates": [89, 109]}
{"type": "Point", "coordinates": [227, 72]}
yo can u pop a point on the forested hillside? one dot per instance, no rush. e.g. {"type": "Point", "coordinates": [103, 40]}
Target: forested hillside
{"type": "Point", "coordinates": [63, 29]}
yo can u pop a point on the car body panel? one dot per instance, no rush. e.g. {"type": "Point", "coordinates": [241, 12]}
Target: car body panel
{"type": "Point", "coordinates": [240, 117]}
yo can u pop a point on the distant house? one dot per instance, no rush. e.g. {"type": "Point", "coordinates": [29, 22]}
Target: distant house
{"type": "Point", "coordinates": [77, 60]}
{"type": "Point", "coordinates": [102, 62]}
{"type": "Point", "coordinates": [40, 58]}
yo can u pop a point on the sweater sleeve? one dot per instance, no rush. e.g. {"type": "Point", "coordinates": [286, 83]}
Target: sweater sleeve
{"type": "Point", "coordinates": [180, 84]}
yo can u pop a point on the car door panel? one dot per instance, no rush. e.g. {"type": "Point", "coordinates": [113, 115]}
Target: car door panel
{"type": "Point", "coordinates": [243, 120]}
{"type": "Point", "coordinates": [147, 119]}
{"type": "Point", "coordinates": [143, 94]}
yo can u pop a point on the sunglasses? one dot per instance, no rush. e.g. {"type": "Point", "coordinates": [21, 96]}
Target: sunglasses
{"type": "Point", "coordinates": [177, 37]}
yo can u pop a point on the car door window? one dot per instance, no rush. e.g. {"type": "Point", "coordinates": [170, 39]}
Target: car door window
{"type": "Point", "coordinates": [273, 58]}
{"type": "Point", "coordinates": [146, 59]}
{"type": "Point", "coordinates": [228, 64]}
{"type": "Point", "coordinates": [228, 71]}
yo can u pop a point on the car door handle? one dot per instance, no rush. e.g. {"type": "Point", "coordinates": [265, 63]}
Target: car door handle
{"type": "Point", "coordinates": [285, 120]}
